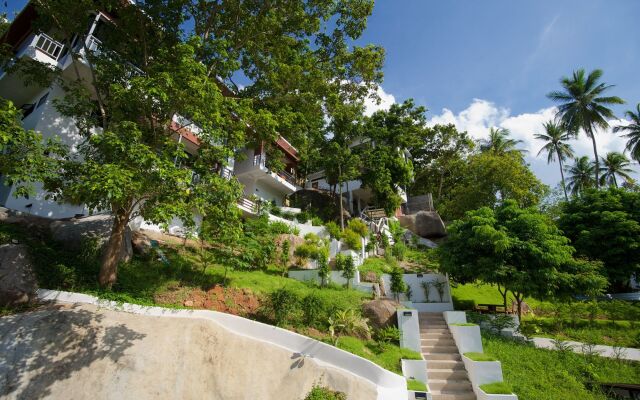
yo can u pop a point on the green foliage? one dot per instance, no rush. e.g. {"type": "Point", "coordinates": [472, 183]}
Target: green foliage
{"type": "Point", "coordinates": [348, 322]}
{"type": "Point", "coordinates": [397, 282]}
{"type": "Point", "coordinates": [333, 229]}
{"type": "Point", "coordinates": [316, 221]}
{"type": "Point", "coordinates": [375, 264]}
{"type": "Point", "coordinates": [605, 225]}
{"type": "Point", "coordinates": [284, 304]}
{"type": "Point", "coordinates": [389, 334]}
{"type": "Point", "coordinates": [548, 374]}
{"type": "Point", "coordinates": [496, 388]}
{"type": "Point", "coordinates": [303, 217]}
{"type": "Point", "coordinates": [386, 355]}
{"type": "Point", "coordinates": [415, 385]}
{"type": "Point", "coordinates": [519, 249]}
{"type": "Point", "coordinates": [479, 356]}
{"type": "Point", "coordinates": [347, 266]}
{"type": "Point", "coordinates": [322, 393]}
{"type": "Point", "coordinates": [358, 226]}
{"type": "Point", "coordinates": [313, 248]}
{"type": "Point", "coordinates": [352, 239]}
{"type": "Point", "coordinates": [324, 272]}
{"type": "Point", "coordinates": [284, 256]}
{"type": "Point", "coordinates": [313, 309]}
{"type": "Point", "coordinates": [399, 251]}
{"type": "Point", "coordinates": [396, 230]}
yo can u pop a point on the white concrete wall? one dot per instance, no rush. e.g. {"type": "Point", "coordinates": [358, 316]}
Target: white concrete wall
{"type": "Point", "coordinates": [311, 275]}
{"type": "Point", "coordinates": [455, 317]}
{"type": "Point", "coordinates": [390, 386]}
{"type": "Point", "coordinates": [483, 372]}
{"type": "Point", "coordinates": [467, 338]}
{"type": "Point", "coordinates": [481, 395]}
{"type": "Point", "coordinates": [409, 327]}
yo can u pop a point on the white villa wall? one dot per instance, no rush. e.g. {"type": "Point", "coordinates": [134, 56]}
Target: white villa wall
{"type": "Point", "coordinates": [409, 327]}
{"type": "Point", "coordinates": [390, 386]}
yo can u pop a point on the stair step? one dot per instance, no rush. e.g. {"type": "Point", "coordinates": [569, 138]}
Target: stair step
{"type": "Point", "coordinates": [453, 395]}
{"type": "Point", "coordinates": [442, 356]}
{"type": "Point", "coordinates": [434, 330]}
{"type": "Point", "coordinates": [432, 335]}
{"type": "Point", "coordinates": [449, 384]}
{"type": "Point", "coordinates": [446, 365]}
{"type": "Point", "coordinates": [456, 374]}
{"type": "Point", "coordinates": [443, 341]}
{"type": "Point", "coordinates": [439, 349]}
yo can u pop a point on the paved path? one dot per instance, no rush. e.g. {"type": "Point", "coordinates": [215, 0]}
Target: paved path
{"type": "Point", "coordinates": [78, 352]}
{"type": "Point", "coordinates": [605, 351]}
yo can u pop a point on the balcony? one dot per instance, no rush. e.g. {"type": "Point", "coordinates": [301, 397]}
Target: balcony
{"type": "Point", "coordinates": [253, 171]}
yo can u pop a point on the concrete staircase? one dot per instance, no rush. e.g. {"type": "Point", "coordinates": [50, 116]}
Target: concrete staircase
{"type": "Point", "coordinates": [447, 377]}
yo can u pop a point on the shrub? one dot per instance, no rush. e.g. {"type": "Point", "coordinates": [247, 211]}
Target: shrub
{"type": "Point", "coordinates": [288, 215]}
{"type": "Point", "coordinates": [313, 309]}
{"type": "Point", "coordinates": [316, 221]}
{"type": "Point", "coordinates": [303, 217]}
{"type": "Point", "coordinates": [389, 334]}
{"type": "Point", "coordinates": [284, 304]}
{"type": "Point", "coordinates": [322, 393]}
{"type": "Point", "coordinates": [352, 239]}
{"type": "Point", "coordinates": [279, 228]}
{"type": "Point", "coordinates": [426, 288]}
{"type": "Point", "coordinates": [348, 268]}
{"type": "Point", "coordinates": [348, 322]}
{"type": "Point", "coordinates": [399, 250]}
{"type": "Point", "coordinates": [397, 283]}
{"type": "Point", "coordinates": [333, 229]}
{"type": "Point", "coordinates": [358, 226]}
{"type": "Point", "coordinates": [396, 230]}
{"type": "Point", "coordinates": [275, 210]}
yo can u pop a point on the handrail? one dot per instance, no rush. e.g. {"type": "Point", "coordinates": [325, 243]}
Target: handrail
{"type": "Point", "coordinates": [248, 204]}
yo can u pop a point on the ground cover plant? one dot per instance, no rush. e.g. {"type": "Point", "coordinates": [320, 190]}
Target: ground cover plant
{"type": "Point", "coordinates": [549, 374]}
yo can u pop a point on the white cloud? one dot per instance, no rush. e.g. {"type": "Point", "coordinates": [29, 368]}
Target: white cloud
{"type": "Point", "coordinates": [482, 115]}
{"type": "Point", "coordinates": [386, 100]}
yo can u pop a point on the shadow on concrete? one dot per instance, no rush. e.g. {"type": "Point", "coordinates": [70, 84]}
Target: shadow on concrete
{"type": "Point", "coordinates": [41, 347]}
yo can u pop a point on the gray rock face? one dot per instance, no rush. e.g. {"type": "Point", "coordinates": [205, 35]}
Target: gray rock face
{"type": "Point", "coordinates": [74, 232]}
{"type": "Point", "coordinates": [17, 280]}
{"type": "Point", "coordinates": [409, 236]}
{"type": "Point", "coordinates": [381, 312]}
{"type": "Point", "coordinates": [426, 224]}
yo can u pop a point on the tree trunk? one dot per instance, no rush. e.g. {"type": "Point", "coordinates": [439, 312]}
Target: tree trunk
{"type": "Point", "coordinates": [519, 298]}
{"type": "Point", "coordinates": [595, 153]}
{"type": "Point", "coordinates": [111, 255]}
{"type": "Point", "coordinates": [564, 187]}
{"type": "Point", "coordinates": [340, 197]}
{"type": "Point", "coordinates": [504, 296]}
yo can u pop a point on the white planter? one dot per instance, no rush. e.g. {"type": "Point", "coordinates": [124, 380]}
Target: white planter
{"type": "Point", "coordinates": [467, 338]}
{"type": "Point", "coordinates": [482, 372]}
{"type": "Point", "coordinates": [409, 327]}
{"type": "Point", "coordinates": [481, 395]}
{"type": "Point", "coordinates": [415, 369]}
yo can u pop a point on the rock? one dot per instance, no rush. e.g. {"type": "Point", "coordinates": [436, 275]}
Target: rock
{"type": "Point", "coordinates": [426, 224]}
{"type": "Point", "coordinates": [381, 312]}
{"type": "Point", "coordinates": [141, 243]}
{"type": "Point", "coordinates": [18, 284]}
{"type": "Point", "coordinates": [370, 276]}
{"type": "Point", "coordinates": [409, 236]}
{"type": "Point", "coordinates": [35, 224]}
{"type": "Point", "coordinates": [188, 303]}
{"type": "Point", "coordinates": [74, 232]}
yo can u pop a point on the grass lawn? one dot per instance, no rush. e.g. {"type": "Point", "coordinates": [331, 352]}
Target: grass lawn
{"type": "Point", "coordinates": [548, 374]}
{"type": "Point", "coordinates": [375, 264]}
{"type": "Point", "coordinates": [618, 333]}
{"type": "Point", "coordinates": [465, 297]}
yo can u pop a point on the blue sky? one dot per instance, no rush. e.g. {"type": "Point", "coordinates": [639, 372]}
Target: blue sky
{"type": "Point", "coordinates": [490, 63]}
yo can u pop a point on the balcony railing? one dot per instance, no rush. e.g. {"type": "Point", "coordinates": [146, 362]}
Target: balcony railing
{"type": "Point", "coordinates": [247, 204]}
{"type": "Point", "coordinates": [288, 177]}
{"type": "Point", "coordinates": [49, 46]}
{"type": "Point", "coordinates": [93, 43]}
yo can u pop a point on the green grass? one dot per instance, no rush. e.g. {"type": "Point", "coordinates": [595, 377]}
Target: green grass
{"type": "Point", "coordinates": [464, 324]}
{"type": "Point", "coordinates": [465, 297]}
{"type": "Point", "coordinates": [416, 385]}
{"type": "Point", "coordinates": [479, 356]}
{"type": "Point", "coordinates": [375, 264]}
{"type": "Point", "coordinates": [547, 374]}
{"type": "Point", "coordinates": [496, 388]}
{"type": "Point", "coordinates": [618, 333]}
{"type": "Point", "coordinates": [386, 355]}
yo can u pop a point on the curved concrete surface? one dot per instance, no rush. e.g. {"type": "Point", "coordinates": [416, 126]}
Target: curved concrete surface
{"type": "Point", "coordinates": [82, 351]}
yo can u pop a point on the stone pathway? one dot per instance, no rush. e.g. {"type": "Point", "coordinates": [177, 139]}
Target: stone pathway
{"type": "Point", "coordinates": [447, 377]}
{"type": "Point", "coordinates": [626, 353]}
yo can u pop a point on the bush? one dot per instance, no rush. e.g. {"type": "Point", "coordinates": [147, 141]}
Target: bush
{"type": "Point", "coordinates": [352, 239]}
{"type": "Point", "coordinates": [279, 228]}
{"type": "Point", "coordinates": [284, 305]}
{"type": "Point", "coordinates": [358, 226]}
{"type": "Point", "coordinates": [399, 250]}
{"type": "Point", "coordinates": [333, 229]}
{"type": "Point", "coordinates": [288, 215]}
{"type": "Point", "coordinates": [322, 393]}
{"type": "Point", "coordinates": [397, 282]}
{"type": "Point", "coordinates": [348, 322]}
{"type": "Point", "coordinates": [396, 230]}
{"type": "Point", "coordinates": [389, 334]}
{"type": "Point", "coordinates": [275, 210]}
{"type": "Point", "coordinates": [303, 217]}
{"type": "Point", "coordinates": [314, 310]}
{"type": "Point", "coordinates": [316, 221]}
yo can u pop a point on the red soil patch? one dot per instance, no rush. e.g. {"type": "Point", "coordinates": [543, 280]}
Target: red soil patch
{"type": "Point", "coordinates": [229, 300]}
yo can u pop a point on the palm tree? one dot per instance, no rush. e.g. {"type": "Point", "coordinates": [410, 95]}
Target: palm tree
{"type": "Point", "coordinates": [556, 146]}
{"type": "Point", "coordinates": [633, 133]}
{"type": "Point", "coordinates": [500, 143]}
{"type": "Point", "coordinates": [584, 106]}
{"type": "Point", "coordinates": [613, 164]}
{"type": "Point", "coordinates": [580, 175]}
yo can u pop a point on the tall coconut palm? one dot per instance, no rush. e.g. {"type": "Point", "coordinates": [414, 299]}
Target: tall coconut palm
{"type": "Point", "coordinates": [632, 133]}
{"type": "Point", "coordinates": [580, 175]}
{"type": "Point", "coordinates": [556, 147]}
{"type": "Point", "coordinates": [615, 164]}
{"type": "Point", "coordinates": [583, 106]}
{"type": "Point", "coordinates": [500, 143]}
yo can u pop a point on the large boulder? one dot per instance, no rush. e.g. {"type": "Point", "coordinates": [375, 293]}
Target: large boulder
{"type": "Point", "coordinates": [74, 233]}
{"type": "Point", "coordinates": [141, 243]}
{"type": "Point", "coordinates": [33, 223]}
{"type": "Point", "coordinates": [381, 312]}
{"type": "Point", "coordinates": [18, 283]}
{"type": "Point", "coordinates": [410, 237]}
{"type": "Point", "coordinates": [426, 224]}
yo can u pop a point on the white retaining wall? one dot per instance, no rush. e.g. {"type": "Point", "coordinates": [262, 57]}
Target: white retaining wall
{"type": "Point", "coordinates": [390, 386]}
{"type": "Point", "coordinates": [409, 329]}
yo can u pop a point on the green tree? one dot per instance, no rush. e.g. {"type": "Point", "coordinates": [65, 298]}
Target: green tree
{"type": "Point", "coordinates": [615, 165]}
{"type": "Point", "coordinates": [632, 132]}
{"type": "Point", "coordinates": [397, 283]}
{"type": "Point", "coordinates": [488, 179]}
{"type": "Point", "coordinates": [284, 256]}
{"type": "Point", "coordinates": [605, 225]}
{"type": "Point", "coordinates": [519, 249]}
{"type": "Point", "coordinates": [583, 105]}
{"type": "Point", "coordinates": [153, 66]}
{"type": "Point", "coordinates": [348, 269]}
{"type": "Point", "coordinates": [580, 175]}
{"type": "Point", "coordinates": [499, 142]}
{"type": "Point", "coordinates": [556, 147]}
